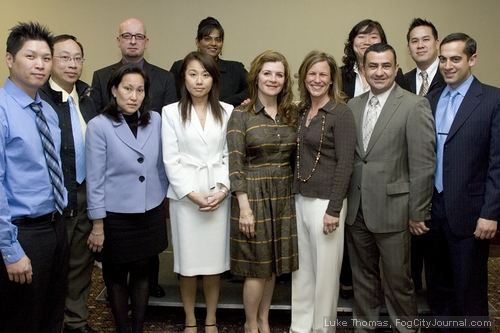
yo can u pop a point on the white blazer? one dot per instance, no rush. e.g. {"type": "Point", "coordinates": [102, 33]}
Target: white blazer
{"type": "Point", "coordinates": [195, 159]}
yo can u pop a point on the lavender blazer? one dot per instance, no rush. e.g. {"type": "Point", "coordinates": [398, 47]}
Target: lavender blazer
{"type": "Point", "coordinates": [124, 174]}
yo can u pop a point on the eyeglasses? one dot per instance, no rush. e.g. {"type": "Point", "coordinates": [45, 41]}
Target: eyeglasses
{"type": "Point", "coordinates": [78, 60]}
{"type": "Point", "coordinates": [129, 36]}
{"type": "Point", "coordinates": [208, 39]}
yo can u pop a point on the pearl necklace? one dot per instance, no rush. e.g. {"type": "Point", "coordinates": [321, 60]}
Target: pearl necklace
{"type": "Point", "coordinates": [318, 154]}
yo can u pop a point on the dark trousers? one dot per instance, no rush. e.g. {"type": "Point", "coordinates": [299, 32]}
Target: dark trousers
{"type": "Point", "coordinates": [456, 269]}
{"type": "Point", "coordinates": [81, 263]}
{"type": "Point", "coordinates": [418, 244]}
{"type": "Point", "coordinates": [37, 307]}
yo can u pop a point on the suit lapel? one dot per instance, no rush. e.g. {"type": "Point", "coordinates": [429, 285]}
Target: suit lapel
{"type": "Point", "coordinates": [149, 70]}
{"type": "Point", "coordinates": [413, 81]}
{"type": "Point", "coordinates": [390, 106]}
{"type": "Point", "coordinates": [437, 81]}
{"type": "Point", "coordinates": [469, 103]}
{"type": "Point", "coordinates": [195, 123]}
{"type": "Point", "coordinates": [124, 133]}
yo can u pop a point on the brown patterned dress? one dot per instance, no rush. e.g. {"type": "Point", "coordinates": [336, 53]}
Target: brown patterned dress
{"type": "Point", "coordinates": [259, 164]}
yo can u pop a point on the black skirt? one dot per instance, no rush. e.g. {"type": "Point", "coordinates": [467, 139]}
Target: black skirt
{"type": "Point", "coordinates": [131, 237]}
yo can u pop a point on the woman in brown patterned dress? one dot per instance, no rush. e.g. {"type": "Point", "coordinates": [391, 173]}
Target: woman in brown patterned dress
{"type": "Point", "coordinates": [261, 138]}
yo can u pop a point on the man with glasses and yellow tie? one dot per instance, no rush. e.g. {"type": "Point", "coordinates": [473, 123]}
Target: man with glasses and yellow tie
{"type": "Point", "coordinates": [70, 99]}
{"type": "Point", "coordinates": [132, 41]}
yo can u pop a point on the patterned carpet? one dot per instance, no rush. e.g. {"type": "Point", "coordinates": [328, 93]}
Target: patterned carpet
{"type": "Point", "coordinates": [164, 319]}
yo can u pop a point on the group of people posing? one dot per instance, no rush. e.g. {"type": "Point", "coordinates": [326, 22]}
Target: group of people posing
{"type": "Point", "coordinates": [257, 184]}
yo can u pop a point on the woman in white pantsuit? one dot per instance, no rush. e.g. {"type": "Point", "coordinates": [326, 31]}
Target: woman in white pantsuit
{"type": "Point", "coordinates": [326, 138]}
{"type": "Point", "coordinates": [196, 161]}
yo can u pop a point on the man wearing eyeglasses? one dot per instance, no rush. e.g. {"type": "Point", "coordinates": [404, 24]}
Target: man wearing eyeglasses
{"type": "Point", "coordinates": [132, 41]}
{"type": "Point", "coordinates": [70, 99]}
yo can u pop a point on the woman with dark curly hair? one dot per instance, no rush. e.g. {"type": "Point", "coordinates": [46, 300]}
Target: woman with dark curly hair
{"type": "Point", "coordinates": [261, 138]}
{"type": "Point", "coordinates": [362, 35]}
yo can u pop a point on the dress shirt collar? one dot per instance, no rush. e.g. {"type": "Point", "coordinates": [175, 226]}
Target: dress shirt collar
{"type": "Point", "coordinates": [382, 98]}
{"type": "Point", "coordinates": [431, 71]}
{"type": "Point", "coordinates": [65, 95]}
{"type": "Point", "coordinates": [140, 63]}
{"type": "Point", "coordinates": [258, 106]}
{"type": "Point", "coordinates": [22, 98]}
{"type": "Point", "coordinates": [358, 84]}
{"type": "Point", "coordinates": [462, 89]}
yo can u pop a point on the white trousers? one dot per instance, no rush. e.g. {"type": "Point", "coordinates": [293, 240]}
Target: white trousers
{"type": "Point", "coordinates": [315, 285]}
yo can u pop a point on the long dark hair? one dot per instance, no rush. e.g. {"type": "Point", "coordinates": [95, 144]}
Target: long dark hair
{"type": "Point", "coordinates": [350, 58]}
{"type": "Point", "coordinates": [112, 111]}
{"type": "Point", "coordinates": [285, 107]}
{"type": "Point", "coordinates": [186, 101]}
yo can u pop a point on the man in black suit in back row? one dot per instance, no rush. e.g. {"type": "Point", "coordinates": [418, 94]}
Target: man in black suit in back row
{"type": "Point", "coordinates": [423, 46]}
{"type": "Point", "coordinates": [132, 41]}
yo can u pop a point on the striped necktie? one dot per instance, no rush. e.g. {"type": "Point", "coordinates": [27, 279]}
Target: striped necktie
{"type": "Point", "coordinates": [78, 141]}
{"type": "Point", "coordinates": [424, 88]}
{"type": "Point", "coordinates": [370, 121]}
{"type": "Point", "coordinates": [51, 157]}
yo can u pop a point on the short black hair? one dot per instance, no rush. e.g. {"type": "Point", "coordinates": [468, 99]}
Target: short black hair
{"type": "Point", "coordinates": [470, 44]}
{"type": "Point", "coordinates": [418, 22]}
{"type": "Point", "coordinates": [65, 37]}
{"type": "Point", "coordinates": [23, 32]}
{"type": "Point", "coordinates": [379, 48]}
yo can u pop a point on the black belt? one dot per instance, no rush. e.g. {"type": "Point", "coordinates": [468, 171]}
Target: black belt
{"type": "Point", "coordinates": [50, 217]}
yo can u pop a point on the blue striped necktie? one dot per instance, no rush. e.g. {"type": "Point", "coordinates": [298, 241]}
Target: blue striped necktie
{"type": "Point", "coordinates": [51, 157]}
{"type": "Point", "coordinates": [78, 141]}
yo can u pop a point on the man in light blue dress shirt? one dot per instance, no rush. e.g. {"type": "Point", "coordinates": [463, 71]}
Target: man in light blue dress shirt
{"type": "Point", "coordinates": [33, 239]}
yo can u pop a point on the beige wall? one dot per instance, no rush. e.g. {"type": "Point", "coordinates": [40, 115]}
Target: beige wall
{"type": "Point", "coordinates": [292, 27]}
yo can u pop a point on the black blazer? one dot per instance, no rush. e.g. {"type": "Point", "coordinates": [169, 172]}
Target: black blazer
{"type": "Point", "coordinates": [348, 87]}
{"type": "Point", "coordinates": [88, 111]}
{"type": "Point", "coordinates": [162, 91]}
{"type": "Point", "coordinates": [471, 159]}
{"type": "Point", "coordinates": [437, 81]}
{"type": "Point", "coordinates": [233, 85]}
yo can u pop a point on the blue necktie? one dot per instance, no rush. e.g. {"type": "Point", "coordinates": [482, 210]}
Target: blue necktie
{"type": "Point", "coordinates": [78, 141]}
{"type": "Point", "coordinates": [444, 128]}
{"type": "Point", "coordinates": [51, 157]}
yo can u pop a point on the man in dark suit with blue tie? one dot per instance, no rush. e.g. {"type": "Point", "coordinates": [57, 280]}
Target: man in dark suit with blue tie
{"type": "Point", "coordinates": [466, 201]}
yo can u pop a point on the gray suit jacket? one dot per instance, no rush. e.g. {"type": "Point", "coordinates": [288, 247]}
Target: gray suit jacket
{"type": "Point", "coordinates": [394, 180]}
